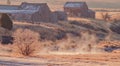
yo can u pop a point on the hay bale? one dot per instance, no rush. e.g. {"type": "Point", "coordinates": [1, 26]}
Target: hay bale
{"type": "Point", "coordinates": [5, 21]}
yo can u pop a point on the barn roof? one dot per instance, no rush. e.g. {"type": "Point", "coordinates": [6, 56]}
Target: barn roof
{"type": "Point", "coordinates": [25, 8]}
{"type": "Point", "coordinates": [8, 7]}
{"type": "Point", "coordinates": [18, 11]}
{"type": "Point", "coordinates": [74, 4]}
{"type": "Point", "coordinates": [31, 6]}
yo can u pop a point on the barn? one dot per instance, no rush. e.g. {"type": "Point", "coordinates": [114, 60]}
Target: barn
{"type": "Point", "coordinates": [34, 12]}
{"type": "Point", "coordinates": [78, 9]}
{"type": "Point", "coordinates": [29, 12]}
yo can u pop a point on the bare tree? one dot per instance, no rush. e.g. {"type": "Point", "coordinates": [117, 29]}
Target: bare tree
{"type": "Point", "coordinates": [26, 42]}
{"type": "Point", "coordinates": [105, 16]}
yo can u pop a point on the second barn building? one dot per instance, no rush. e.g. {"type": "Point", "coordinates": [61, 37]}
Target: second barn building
{"type": "Point", "coordinates": [78, 9]}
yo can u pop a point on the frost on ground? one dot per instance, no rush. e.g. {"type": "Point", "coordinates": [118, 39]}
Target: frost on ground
{"type": "Point", "coordinates": [63, 60]}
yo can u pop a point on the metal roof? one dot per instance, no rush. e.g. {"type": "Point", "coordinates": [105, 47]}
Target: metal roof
{"type": "Point", "coordinates": [18, 11]}
{"type": "Point", "coordinates": [74, 4]}
{"type": "Point", "coordinates": [24, 8]}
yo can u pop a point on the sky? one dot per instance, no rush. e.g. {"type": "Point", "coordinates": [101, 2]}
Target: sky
{"type": "Point", "coordinates": [91, 3]}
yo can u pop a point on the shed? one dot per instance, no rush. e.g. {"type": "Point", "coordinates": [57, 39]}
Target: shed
{"type": "Point", "coordinates": [6, 26]}
{"type": "Point", "coordinates": [77, 9]}
{"type": "Point", "coordinates": [61, 15]}
{"type": "Point", "coordinates": [5, 21]}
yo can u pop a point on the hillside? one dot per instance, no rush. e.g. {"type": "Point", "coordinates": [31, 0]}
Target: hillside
{"type": "Point", "coordinates": [70, 35]}
{"type": "Point", "coordinates": [75, 42]}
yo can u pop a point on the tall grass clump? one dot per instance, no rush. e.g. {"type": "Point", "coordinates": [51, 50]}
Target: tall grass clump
{"type": "Point", "coordinates": [26, 41]}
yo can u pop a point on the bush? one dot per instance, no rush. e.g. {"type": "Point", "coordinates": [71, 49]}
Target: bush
{"type": "Point", "coordinates": [26, 41]}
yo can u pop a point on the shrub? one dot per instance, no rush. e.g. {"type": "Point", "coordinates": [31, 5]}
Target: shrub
{"type": "Point", "coordinates": [105, 16]}
{"type": "Point", "coordinates": [26, 41]}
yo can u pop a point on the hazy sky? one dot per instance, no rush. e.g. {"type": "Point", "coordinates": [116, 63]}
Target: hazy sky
{"type": "Point", "coordinates": [91, 3]}
{"type": "Point", "coordinates": [111, 1]}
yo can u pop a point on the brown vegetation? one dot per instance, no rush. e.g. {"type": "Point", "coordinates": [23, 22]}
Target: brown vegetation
{"type": "Point", "coordinates": [108, 16]}
{"type": "Point", "coordinates": [114, 43]}
{"type": "Point", "coordinates": [95, 42]}
{"type": "Point", "coordinates": [105, 16]}
{"type": "Point", "coordinates": [68, 36]}
{"type": "Point", "coordinates": [26, 42]}
{"type": "Point", "coordinates": [71, 36]}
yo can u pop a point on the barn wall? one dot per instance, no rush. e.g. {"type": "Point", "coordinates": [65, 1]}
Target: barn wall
{"type": "Point", "coordinates": [42, 15]}
{"type": "Point", "coordinates": [21, 17]}
{"type": "Point", "coordinates": [91, 13]}
{"type": "Point", "coordinates": [79, 11]}
{"type": "Point", "coordinates": [45, 13]}
{"type": "Point", "coordinates": [76, 12]}
{"type": "Point", "coordinates": [34, 12]}
{"type": "Point", "coordinates": [53, 17]}
{"type": "Point", "coordinates": [61, 15]}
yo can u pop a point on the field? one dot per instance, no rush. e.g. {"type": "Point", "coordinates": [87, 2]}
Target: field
{"type": "Point", "coordinates": [113, 15]}
{"type": "Point", "coordinates": [65, 44]}
{"type": "Point", "coordinates": [63, 60]}
{"type": "Point", "coordinates": [76, 42]}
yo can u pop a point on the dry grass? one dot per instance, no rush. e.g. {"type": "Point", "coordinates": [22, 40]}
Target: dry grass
{"type": "Point", "coordinates": [113, 15]}
{"type": "Point", "coordinates": [114, 43]}
{"type": "Point", "coordinates": [26, 42]}
{"type": "Point", "coordinates": [60, 31]}
{"type": "Point", "coordinates": [5, 32]}
{"type": "Point", "coordinates": [12, 3]}
{"type": "Point", "coordinates": [106, 9]}
{"type": "Point", "coordinates": [70, 34]}
{"type": "Point", "coordinates": [79, 19]}
{"type": "Point", "coordinates": [78, 44]}
{"type": "Point", "coordinates": [110, 46]}
{"type": "Point", "coordinates": [6, 50]}
{"type": "Point", "coordinates": [80, 36]}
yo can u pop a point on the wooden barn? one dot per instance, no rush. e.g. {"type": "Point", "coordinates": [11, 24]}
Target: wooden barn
{"type": "Point", "coordinates": [29, 12]}
{"type": "Point", "coordinates": [78, 9]}
{"type": "Point", "coordinates": [34, 12]}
